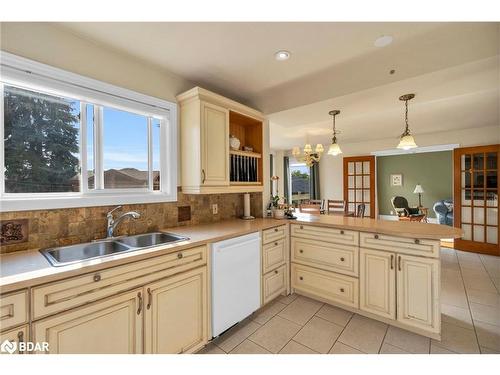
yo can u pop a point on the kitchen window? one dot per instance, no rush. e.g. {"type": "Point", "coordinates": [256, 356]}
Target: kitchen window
{"type": "Point", "coordinates": [69, 141]}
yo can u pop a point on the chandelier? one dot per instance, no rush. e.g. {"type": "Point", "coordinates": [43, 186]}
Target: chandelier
{"type": "Point", "coordinates": [334, 148]}
{"type": "Point", "coordinates": [308, 156]}
{"type": "Point", "coordinates": [406, 140]}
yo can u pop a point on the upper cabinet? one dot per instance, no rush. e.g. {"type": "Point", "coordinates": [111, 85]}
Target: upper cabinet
{"type": "Point", "coordinates": [210, 163]}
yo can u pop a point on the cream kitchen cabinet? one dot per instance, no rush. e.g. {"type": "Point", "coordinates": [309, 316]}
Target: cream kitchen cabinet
{"type": "Point", "coordinates": [418, 292]}
{"type": "Point", "coordinates": [378, 283]}
{"type": "Point", "coordinates": [275, 262]}
{"type": "Point", "coordinates": [18, 336]}
{"type": "Point", "coordinates": [176, 314]}
{"type": "Point", "coordinates": [401, 287]}
{"type": "Point", "coordinates": [214, 145]}
{"type": "Point", "coordinates": [206, 122]}
{"type": "Point", "coordinates": [110, 326]}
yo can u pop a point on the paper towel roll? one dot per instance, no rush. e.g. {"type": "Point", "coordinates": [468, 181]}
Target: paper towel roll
{"type": "Point", "coordinates": [246, 205]}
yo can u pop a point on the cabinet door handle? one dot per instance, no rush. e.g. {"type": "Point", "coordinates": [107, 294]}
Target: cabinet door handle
{"type": "Point", "coordinates": [150, 299]}
{"type": "Point", "coordinates": [97, 277]}
{"type": "Point", "coordinates": [301, 278]}
{"type": "Point", "coordinates": [139, 309]}
{"type": "Point", "coordinates": [276, 229]}
{"type": "Point", "coordinates": [203, 178]}
{"type": "Point", "coordinates": [301, 227]}
{"type": "Point", "coordinates": [276, 271]}
{"type": "Point", "coordinates": [342, 259]}
{"type": "Point", "coordinates": [417, 241]}
{"type": "Point", "coordinates": [392, 261]}
{"type": "Point", "coordinates": [301, 251]}
{"type": "Point", "coordinates": [20, 339]}
{"type": "Point", "coordinates": [275, 244]}
{"type": "Point", "coordinates": [399, 263]}
{"type": "Point", "coordinates": [342, 290]}
{"type": "Point", "coordinates": [341, 232]}
{"type": "Point", "coordinates": [376, 236]}
{"type": "Point", "coordinates": [180, 256]}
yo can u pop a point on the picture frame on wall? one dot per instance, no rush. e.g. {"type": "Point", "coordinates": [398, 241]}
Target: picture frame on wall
{"type": "Point", "coordinates": [397, 179]}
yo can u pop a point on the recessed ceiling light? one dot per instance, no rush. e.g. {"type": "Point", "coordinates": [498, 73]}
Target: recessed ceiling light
{"type": "Point", "coordinates": [383, 41]}
{"type": "Point", "coordinates": [282, 55]}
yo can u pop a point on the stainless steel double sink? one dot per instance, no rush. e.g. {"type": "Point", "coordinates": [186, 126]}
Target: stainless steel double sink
{"type": "Point", "coordinates": [64, 255]}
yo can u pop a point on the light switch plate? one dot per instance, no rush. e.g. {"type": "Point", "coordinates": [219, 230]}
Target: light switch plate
{"type": "Point", "coordinates": [215, 208]}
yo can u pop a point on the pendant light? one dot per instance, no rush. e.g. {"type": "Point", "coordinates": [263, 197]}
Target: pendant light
{"type": "Point", "coordinates": [334, 148]}
{"type": "Point", "coordinates": [406, 141]}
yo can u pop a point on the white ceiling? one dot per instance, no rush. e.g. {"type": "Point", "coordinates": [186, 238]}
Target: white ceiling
{"type": "Point", "coordinates": [460, 97]}
{"type": "Point", "coordinates": [328, 59]}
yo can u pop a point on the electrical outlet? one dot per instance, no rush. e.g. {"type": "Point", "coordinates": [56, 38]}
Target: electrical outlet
{"type": "Point", "coordinates": [215, 208]}
{"type": "Point", "coordinates": [392, 212]}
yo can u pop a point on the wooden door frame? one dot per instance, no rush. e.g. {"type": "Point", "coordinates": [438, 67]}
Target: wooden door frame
{"type": "Point", "coordinates": [371, 159]}
{"type": "Point", "coordinates": [467, 245]}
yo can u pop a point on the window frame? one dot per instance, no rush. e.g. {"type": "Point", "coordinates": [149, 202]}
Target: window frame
{"type": "Point", "coordinates": [24, 73]}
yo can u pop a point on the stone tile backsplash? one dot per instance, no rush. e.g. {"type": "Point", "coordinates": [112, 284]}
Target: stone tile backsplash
{"type": "Point", "coordinates": [68, 226]}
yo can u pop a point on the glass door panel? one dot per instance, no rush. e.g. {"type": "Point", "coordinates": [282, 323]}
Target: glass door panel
{"type": "Point", "coordinates": [359, 174]}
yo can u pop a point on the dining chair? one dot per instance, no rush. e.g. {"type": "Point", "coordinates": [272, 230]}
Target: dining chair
{"type": "Point", "coordinates": [360, 212]}
{"type": "Point", "coordinates": [310, 208]}
{"type": "Point", "coordinates": [319, 202]}
{"type": "Point", "coordinates": [335, 206]}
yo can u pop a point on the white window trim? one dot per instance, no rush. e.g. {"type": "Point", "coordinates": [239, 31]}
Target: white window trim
{"type": "Point", "coordinates": [23, 72]}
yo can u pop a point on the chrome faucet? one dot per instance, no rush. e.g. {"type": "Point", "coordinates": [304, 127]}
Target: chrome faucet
{"type": "Point", "coordinates": [112, 223]}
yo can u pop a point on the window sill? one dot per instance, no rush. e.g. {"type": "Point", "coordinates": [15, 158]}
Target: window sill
{"type": "Point", "coordinates": [46, 203]}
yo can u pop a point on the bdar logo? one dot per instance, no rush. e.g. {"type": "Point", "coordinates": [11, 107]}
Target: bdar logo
{"type": "Point", "coordinates": [8, 346]}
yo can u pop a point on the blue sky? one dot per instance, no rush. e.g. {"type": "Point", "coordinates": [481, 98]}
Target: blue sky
{"type": "Point", "coordinates": [125, 140]}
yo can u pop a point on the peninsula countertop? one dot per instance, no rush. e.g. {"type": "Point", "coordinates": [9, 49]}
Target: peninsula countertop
{"type": "Point", "coordinates": [28, 268]}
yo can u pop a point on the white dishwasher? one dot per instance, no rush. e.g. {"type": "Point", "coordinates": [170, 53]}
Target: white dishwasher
{"type": "Point", "coordinates": [235, 265]}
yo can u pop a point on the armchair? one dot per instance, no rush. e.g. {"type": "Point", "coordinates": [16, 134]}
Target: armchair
{"type": "Point", "coordinates": [444, 211]}
{"type": "Point", "coordinates": [400, 205]}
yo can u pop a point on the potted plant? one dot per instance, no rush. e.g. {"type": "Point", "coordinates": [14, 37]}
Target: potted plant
{"type": "Point", "coordinates": [279, 206]}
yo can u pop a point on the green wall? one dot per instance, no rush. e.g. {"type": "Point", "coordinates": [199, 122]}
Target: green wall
{"type": "Point", "coordinates": [433, 170]}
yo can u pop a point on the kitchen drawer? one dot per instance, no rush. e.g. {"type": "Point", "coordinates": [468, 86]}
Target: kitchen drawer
{"type": "Point", "coordinates": [273, 234]}
{"type": "Point", "coordinates": [326, 285]}
{"type": "Point", "coordinates": [325, 255]}
{"type": "Point", "coordinates": [17, 335]}
{"type": "Point", "coordinates": [412, 246]}
{"type": "Point", "coordinates": [273, 255]}
{"type": "Point", "coordinates": [273, 284]}
{"type": "Point", "coordinates": [65, 294]}
{"type": "Point", "coordinates": [334, 235]}
{"type": "Point", "coordinates": [13, 309]}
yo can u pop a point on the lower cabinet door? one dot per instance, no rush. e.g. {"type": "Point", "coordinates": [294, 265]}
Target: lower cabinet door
{"type": "Point", "coordinates": [418, 292]}
{"type": "Point", "coordinates": [378, 283]}
{"type": "Point", "coordinates": [111, 326]}
{"type": "Point", "coordinates": [176, 319]}
{"type": "Point", "coordinates": [273, 284]}
{"type": "Point", "coordinates": [16, 338]}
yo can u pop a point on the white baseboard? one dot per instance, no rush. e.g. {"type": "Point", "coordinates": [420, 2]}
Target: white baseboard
{"type": "Point", "coordinates": [431, 220]}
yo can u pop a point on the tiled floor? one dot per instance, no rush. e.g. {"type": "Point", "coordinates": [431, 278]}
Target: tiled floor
{"type": "Point", "coordinates": [470, 295]}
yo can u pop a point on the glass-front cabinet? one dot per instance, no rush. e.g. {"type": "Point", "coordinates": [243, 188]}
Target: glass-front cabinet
{"type": "Point", "coordinates": [476, 198]}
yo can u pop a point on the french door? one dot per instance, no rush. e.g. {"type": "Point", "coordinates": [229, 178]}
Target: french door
{"type": "Point", "coordinates": [359, 183]}
{"type": "Point", "coordinates": [476, 189]}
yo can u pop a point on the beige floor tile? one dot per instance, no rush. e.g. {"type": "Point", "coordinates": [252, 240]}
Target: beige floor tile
{"type": "Point", "coordinates": [287, 299]}
{"type": "Point", "coordinates": [249, 347]}
{"type": "Point", "coordinates": [275, 334]}
{"type": "Point", "coordinates": [488, 335]}
{"type": "Point", "coordinates": [488, 351]}
{"type": "Point", "coordinates": [294, 347]}
{"type": "Point", "coordinates": [340, 348]}
{"type": "Point", "coordinates": [364, 334]}
{"type": "Point", "coordinates": [448, 251]}
{"type": "Point", "coordinates": [318, 334]}
{"type": "Point", "coordinates": [457, 339]}
{"type": "Point", "coordinates": [455, 298]}
{"type": "Point", "coordinates": [391, 349]}
{"type": "Point", "coordinates": [265, 314]}
{"type": "Point", "coordinates": [211, 348]}
{"type": "Point", "coordinates": [406, 340]}
{"type": "Point", "coordinates": [436, 349]}
{"type": "Point", "coordinates": [236, 335]}
{"type": "Point", "coordinates": [456, 315]}
{"type": "Point", "coordinates": [335, 315]}
{"type": "Point", "coordinates": [484, 298]}
{"type": "Point", "coordinates": [484, 313]}
{"type": "Point", "coordinates": [482, 283]}
{"type": "Point", "coordinates": [301, 310]}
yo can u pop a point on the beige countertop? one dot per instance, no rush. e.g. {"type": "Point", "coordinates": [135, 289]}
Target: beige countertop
{"type": "Point", "coordinates": [28, 268]}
